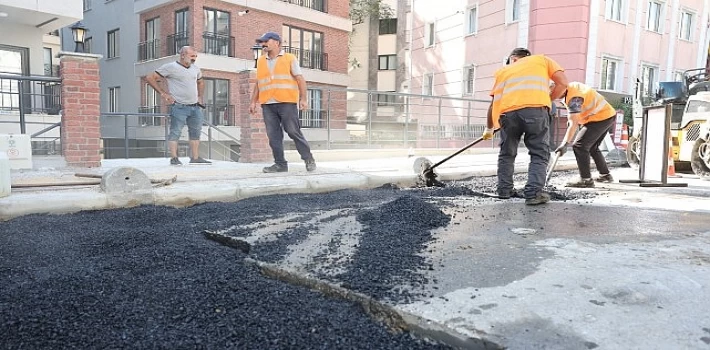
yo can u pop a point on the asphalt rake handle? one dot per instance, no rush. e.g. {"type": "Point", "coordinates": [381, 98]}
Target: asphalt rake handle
{"type": "Point", "coordinates": [428, 174]}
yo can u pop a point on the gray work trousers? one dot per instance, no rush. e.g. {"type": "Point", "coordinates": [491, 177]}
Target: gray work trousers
{"type": "Point", "coordinates": [534, 124]}
{"type": "Point", "coordinates": [280, 117]}
{"type": "Point", "coordinates": [586, 145]}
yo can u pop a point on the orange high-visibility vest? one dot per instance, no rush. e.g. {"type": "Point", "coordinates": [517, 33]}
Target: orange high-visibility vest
{"type": "Point", "coordinates": [279, 85]}
{"type": "Point", "coordinates": [525, 83]}
{"type": "Point", "coordinates": [595, 107]}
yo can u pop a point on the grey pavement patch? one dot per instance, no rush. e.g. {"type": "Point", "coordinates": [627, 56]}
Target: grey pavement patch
{"type": "Point", "coordinates": [619, 299]}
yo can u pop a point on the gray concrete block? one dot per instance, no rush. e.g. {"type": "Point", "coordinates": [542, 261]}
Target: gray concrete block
{"type": "Point", "coordinates": [125, 180]}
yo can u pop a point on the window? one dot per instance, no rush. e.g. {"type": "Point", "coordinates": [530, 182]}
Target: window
{"type": "Point", "coordinates": [472, 20]}
{"type": "Point", "coordinates": [114, 95]}
{"type": "Point", "coordinates": [469, 76]}
{"type": "Point", "coordinates": [388, 62]}
{"type": "Point", "coordinates": [180, 38]}
{"type": "Point", "coordinates": [428, 84]}
{"type": "Point", "coordinates": [386, 99]}
{"type": "Point", "coordinates": [513, 12]}
{"type": "Point", "coordinates": [182, 21]}
{"type": "Point", "coordinates": [615, 10]}
{"type": "Point", "coordinates": [152, 105]}
{"type": "Point", "coordinates": [686, 25]}
{"type": "Point", "coordinates": [216, 33]}
{"type": "Point", "coordinates": [152, 38]}
{"type": "Point", "coordinates": [430, 31]}
{"type": "Point", "coordinates": [216, 22]}
{"type": "Point", "coordinates": [87, 5]}
{"type": "Point", "coordinates": [88, 45]}
{"type": "Point", "coordinates": [217, 101]}
{"type": "Point", "coordinates": [609, 72]}
{"type": "Point", "coordinates": [48, 61]}
{"type": "Point", "coordinates": [112, 41]}
{"type": "Point", "coordinates": [655, 16]}
{"type": "Point", "coordinates": [307, 45]}
{"type": "Point", "coordinates": [649, 78]}
{"type": "Point", "coordinates": [388, 26]}
{"type": "Point", "coordinates": [314, 116]}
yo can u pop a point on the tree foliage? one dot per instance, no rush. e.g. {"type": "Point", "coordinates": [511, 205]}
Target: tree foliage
{"type": "Point", "coordinates": [360, 10]}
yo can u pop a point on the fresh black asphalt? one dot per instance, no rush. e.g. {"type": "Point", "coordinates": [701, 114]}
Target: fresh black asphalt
{"type": "Point", "coordinates": [147, 277]}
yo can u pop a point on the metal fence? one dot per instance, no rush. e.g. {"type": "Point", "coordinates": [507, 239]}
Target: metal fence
{"type": "Point", "coordinates": [143, 135]}
{"type": "Point", "coordinates": [32, 105]}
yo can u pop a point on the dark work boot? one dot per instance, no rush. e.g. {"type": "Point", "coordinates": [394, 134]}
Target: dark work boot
{"type": "Point", "coordinates": [310, 165]}
{"type": "Point", "coordinates": [581, 183]}
{"type": "Point", "coordinates": [276, 168]}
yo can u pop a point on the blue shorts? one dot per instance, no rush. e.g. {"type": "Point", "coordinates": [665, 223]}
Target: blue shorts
{"type": "Point", "coordinates": [180, 115]}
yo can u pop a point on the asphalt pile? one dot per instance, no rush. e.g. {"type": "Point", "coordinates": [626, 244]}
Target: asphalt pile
{"type": "Point", "coordinates": [394, 236]}
{"type": "Point", "coordinates": [146, 278]}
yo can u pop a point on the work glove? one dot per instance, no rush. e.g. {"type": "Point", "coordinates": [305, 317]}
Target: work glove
{"type": "Point", "coordinates": [562, 149]}
{"type": "Point", "coordinates": [487, 134]}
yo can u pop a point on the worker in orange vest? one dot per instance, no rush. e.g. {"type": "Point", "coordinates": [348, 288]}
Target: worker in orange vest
{"type": "Point", "coordinates": [521, 106]}
{"type": "Point", "coordinates": [281, 91]}
{"type": "Point", "coordinates": [591, 110]}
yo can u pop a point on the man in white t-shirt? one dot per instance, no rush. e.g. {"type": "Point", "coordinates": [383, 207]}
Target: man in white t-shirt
{"type": "Point", "coordinates": [185, 97]}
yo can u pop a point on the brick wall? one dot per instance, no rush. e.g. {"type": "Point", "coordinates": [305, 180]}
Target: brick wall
{"type": "Point", "coordinates": [80, 133]}
{"type": "Point", "coordinates": [254, 142]}
{"type": "Point", "coordinates": [249, 27]}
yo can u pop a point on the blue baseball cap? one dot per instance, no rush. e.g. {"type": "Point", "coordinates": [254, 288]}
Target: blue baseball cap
{"type": "Point", "coordinates": [269, 35]}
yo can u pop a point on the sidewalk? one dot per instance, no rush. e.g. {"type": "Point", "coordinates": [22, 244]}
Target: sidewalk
{"type": "Point", "coordinates": [225, 181]}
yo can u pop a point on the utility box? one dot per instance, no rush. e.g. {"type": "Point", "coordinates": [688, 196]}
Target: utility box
{"type": "Point", "coordinates": [18, 149]}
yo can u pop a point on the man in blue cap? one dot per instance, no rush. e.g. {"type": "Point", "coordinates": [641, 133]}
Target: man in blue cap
{"type": "Point", "coordinates": [281, 91]}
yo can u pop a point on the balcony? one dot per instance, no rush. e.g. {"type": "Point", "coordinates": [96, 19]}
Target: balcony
{"type": "Point", "coordinates": [309, 58]}
{"type": "Point", "coordinates": [219, 115]}
{"type": "Point", "coordinates": [149, 50]}
{"type": "Point", "coordinates": [177, 41]}
{"type": "Point", "coordinates": [318, 5]}
{"type": "Point", "coordinates": [218, 44]}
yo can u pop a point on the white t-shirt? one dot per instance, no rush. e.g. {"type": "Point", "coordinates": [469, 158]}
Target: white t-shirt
{"type": "Point", "coordinates": [182, 81]}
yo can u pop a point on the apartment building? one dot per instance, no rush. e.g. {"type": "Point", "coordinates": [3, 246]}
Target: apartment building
{"type": "Point", "coordinates": [112, 31]}
{"type": "Point", "coordinates": [605, 44]}
{"type": "Point", "coordinates": [136, 37]}
{"type": "Point", "coordinates": [29, 47]}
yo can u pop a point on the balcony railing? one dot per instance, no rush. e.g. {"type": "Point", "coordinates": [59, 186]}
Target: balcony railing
{"type": "Point", "coordinates": [220, 115]}
{"type": "Point", "coordinates": [309, 58]}
{"type": "Point", "coordinates": [318, 5]}
{"type": "Point", "coordinates": [177, 41]}
{"type": "Point", "coordinates": [312, 118]}
{"type": "Point", "coordinates": [218, 44]}
{"type": "Point", "coordinates": [51, 70]}
{"type": "Point", "coordinates": [149, 50]}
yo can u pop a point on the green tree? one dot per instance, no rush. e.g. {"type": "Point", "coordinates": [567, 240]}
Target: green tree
{"type": "Point", "coordinates": [361, 10]}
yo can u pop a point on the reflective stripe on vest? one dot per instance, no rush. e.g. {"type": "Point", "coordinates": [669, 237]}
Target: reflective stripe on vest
{"type": "Point", "coordinates": [280, 86]}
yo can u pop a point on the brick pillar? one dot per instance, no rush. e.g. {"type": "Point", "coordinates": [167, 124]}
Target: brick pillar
{"type": "Point", "coordinates": [80, 132]}
{"type": "Point", "coordinates": [254, 142]}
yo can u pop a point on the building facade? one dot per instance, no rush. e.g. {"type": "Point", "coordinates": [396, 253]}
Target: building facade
{"type": "Point", "coordinates": [605, 44]}
{"type": "Point", "coordinates": [29, 89]}
{"type": "Point", "coordinates": [136, 37]}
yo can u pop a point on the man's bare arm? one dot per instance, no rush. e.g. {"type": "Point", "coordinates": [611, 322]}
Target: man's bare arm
{"type": "Point", "coordinates": [561, 82]}
{"type": "Point", "coordinates": [200, 90]}
{"type": "Point", "coordinates": [255, 94]}
{"type": "Point", "coordinates": [301, 87]}
{"type": "Point", "coordinates": [156, 81]}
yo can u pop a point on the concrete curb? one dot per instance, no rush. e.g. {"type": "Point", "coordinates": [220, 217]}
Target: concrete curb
{"type": "Point", "coordinates": [182, 194]}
